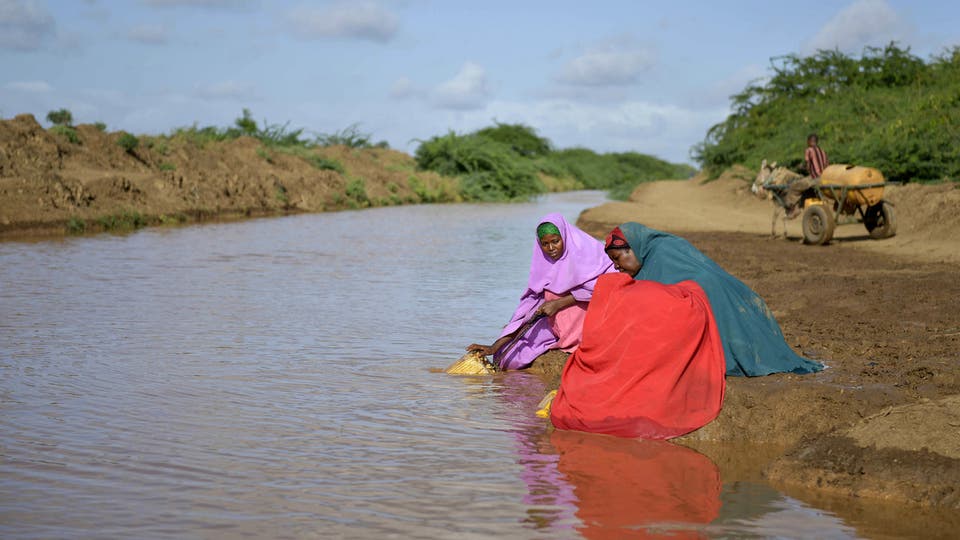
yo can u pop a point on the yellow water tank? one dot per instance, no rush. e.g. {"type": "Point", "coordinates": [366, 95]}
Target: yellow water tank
{"type": "Point", "coordinates": [853, 175]}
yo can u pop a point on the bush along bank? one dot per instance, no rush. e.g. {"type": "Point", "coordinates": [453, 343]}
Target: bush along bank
{"type": "Point", "coordinates": [886, 109]}
{"type": "Point", "coordinates": [511, 162]}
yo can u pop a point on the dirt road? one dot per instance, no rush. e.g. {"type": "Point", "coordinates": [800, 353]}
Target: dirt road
{"type": "Point", "coordinates": [883, 420]}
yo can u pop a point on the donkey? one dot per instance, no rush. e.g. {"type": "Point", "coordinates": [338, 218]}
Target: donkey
{"type": "Point", "coordinates": [777, 176]}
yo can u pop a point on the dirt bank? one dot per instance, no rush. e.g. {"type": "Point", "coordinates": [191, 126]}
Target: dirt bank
{"type": "Point", "coordinates": [883, 421]}
{"type": "Point", "coordinates": [50, 184]}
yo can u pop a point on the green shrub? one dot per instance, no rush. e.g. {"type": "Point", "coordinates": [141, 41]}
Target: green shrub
{"type": "Point", "coordinates": [124, 221]}
{"type": "Point", "coordinates": [520, 138]}
{"type": "Point", "coordinates": [886, 109]}
{"type": "Point", "coordinates": [67, 132]}
{"type": "Point", "coordinates": [488, 170]}
{"type": "Point", "coordinates": [165, 166]}
{"type": "Point", "coordinates": [356, 193]}
{"type": "Point", "coordinates": [350, 136]}
{"type": "Point", "coordinates": [100, 126]}
{"type": "Point", "coordinates": [281, 194]}
{"type": "Point", "coordinates": [60, 117]}
{"type": "Point", "coordinates": [325, 164]}
{"type": "Point", "coordinates": [128, 142]}
{"type": "Point", "coordinates": [76, 225]}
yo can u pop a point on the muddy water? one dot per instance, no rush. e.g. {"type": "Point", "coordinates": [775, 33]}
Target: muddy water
{"type": "Point", "coordinates": [271, 378]}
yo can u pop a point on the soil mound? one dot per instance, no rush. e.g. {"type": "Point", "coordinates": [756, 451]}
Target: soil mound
{"type": "Point", "coordinates": [79, 178]}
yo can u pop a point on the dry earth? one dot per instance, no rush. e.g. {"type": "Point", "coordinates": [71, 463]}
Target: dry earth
{"type": "Point", "coordinates": [883, 421]}
{"type": "Point", "coordinates": [50, 185]}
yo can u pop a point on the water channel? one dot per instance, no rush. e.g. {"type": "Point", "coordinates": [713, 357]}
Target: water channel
{"type": "Point", "coordinates": [272, 378]}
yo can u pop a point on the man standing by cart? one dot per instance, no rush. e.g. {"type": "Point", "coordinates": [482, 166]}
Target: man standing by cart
{"type": "Point", "coordinates": [816, 161]}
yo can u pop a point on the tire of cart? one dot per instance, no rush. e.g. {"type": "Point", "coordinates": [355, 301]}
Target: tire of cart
{"type": "Point", "coordinates": [818, 225]}
{"type": "Point", "coordinates": [880, 220]}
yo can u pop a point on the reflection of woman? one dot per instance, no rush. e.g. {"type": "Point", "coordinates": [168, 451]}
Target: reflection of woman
{"type": "Point", "coordinates": [650, 364]}
{"type": "Point", "coordinates": [626, 487]}
{"type": "Point", "coordinates": [753, 343]}
{"type": "Point", "coordinates": [565, 264]}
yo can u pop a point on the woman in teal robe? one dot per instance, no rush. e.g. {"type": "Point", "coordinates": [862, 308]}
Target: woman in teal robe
{"type": "Point", "coordinates": [753, 343]}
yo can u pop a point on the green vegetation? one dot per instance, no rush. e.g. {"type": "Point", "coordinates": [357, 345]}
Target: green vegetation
{"type": "Point", "coordinates": [886, 109]}
{"type": "Point", "coordinates": [244, 126]}
{"type": "Point", "coordinates": [68, 132]}
{"type": "Point", "coordinates": [165, 166]}
{"type": "Point", "coordinates": [127, 220]}
{"type": "Point", "coordinates": [310, 156]}
{"type": "Point", "coordinates": [128, 142]}
{"type": "Point", "coordinates": [356, 193]}
{"type": "Point", "coordinates": [502, 162]}
{"type": "Point", "coordinates": [100, 126]}
{"type": "Point", "coordinates": [281, 194]}
{"type": "Point", "coordinates": [76, 226]}
{"type": "Point", "coordinates": [350, 136]}
{"type": "Point", "coordinates": [265, 154]}
{"type": "Point", "coordinates": [60, 117]}
{"type": "Point", "coordinates": [619, 172]}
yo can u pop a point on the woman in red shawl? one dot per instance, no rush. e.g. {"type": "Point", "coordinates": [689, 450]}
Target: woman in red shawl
{"type": "Point", "coordinates": [650, 362]}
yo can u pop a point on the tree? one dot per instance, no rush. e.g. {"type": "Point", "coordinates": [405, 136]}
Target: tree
{"type": "Point", "coordinates": [61, 117]}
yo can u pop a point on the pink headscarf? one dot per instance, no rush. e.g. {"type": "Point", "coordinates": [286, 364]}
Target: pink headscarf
{"type": "Point", "coordinates": [575, 273]}
{"type": "Point", "coordinates": [576, 270]}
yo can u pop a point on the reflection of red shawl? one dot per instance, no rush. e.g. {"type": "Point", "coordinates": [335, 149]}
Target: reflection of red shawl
{"type": "Point", "coordinates": [623, 487]}
{"type": "Point", "coordinates": [650, 363]}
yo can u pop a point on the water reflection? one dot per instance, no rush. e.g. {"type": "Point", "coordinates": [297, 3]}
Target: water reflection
{"type": "Point", "coordinates": [627, 488]}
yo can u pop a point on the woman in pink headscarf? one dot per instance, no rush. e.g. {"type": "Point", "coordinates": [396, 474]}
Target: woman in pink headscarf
{"type": "Point", "coordinates": [565, 265]}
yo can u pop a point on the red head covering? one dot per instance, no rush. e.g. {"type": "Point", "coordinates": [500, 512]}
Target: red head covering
{"type": "Point", "coordinates": [616, 240]}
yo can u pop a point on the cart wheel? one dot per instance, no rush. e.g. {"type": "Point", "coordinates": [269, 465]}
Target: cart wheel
{"type": "Point", "coordinates": [818, 224]}
{"type": "Point", "coordinates": [880, 220]}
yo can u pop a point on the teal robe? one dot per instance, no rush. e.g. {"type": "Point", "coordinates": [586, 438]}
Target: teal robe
{"type": "Point", "coordinates": [753, 343]}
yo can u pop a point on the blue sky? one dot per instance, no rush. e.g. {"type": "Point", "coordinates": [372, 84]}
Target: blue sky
{"type": "Point", "coordinates": [607, 75]}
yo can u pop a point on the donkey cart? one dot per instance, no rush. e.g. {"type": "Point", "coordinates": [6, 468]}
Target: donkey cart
{"type": "Point", "coordinates": [843, 190]}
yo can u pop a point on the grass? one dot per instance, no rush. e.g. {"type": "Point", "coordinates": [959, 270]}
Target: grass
{"type": "Point", "coordinates": [310, 156]}
{"type": "Point", "coordinates": [265, 154]}
{"type": "Point", "coordinates": [67, 132]}
{"type": "Point", "coordinates": [355, 194]}
{"type": "Point", "coordinates": [281, 194]}
{"type": "Point", "coordinates": [76, 226]}
{"type": "Point", "coordinates": [126, 220]}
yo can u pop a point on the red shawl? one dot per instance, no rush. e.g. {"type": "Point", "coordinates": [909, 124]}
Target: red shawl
{"type": "Point", "coordinates": [650, 363]}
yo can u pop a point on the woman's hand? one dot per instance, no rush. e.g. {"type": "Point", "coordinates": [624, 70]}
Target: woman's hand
{"type": "Point", "coordinates": [485, 350]}
{"type": "Point", "coordinates": [551, 307]}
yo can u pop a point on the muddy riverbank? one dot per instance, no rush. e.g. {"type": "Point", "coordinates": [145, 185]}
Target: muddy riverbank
{"type": "Point", "coordinates": [883, 421]}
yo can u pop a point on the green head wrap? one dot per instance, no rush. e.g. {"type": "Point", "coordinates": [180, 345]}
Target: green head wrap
{"type": "Point", "coordinates": [546, 228]}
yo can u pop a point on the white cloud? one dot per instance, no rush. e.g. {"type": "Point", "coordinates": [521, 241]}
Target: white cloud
{"type": "Point", "coordinates": [718, 93]}
{"type": "Point", "coordinates": [404, 88]}
{"type": "Point", "coordinates": [229, 4]}
{"type": "Point", "coordinates": [663, 130]}
{"type": "Point", "coordinates": [24, 25]}
{"type": "Point", "coordinates": [226, 90]}
{"type": "Point", "coordinates": [149, 34]}
{"type": "Point", "coordinates": [613, 64]}
{"type": "Point", "coordinates": [358, 20]}
{"type": "Point", "coordinates": [466, 91]}
{"type": "Point", "coordinates": [29, 87]}
{"type": "Point", "coordinates": [864, 22]}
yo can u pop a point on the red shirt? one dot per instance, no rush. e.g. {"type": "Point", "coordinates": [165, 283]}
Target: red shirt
{"type": "Point", "coordinates": [816, 161]}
